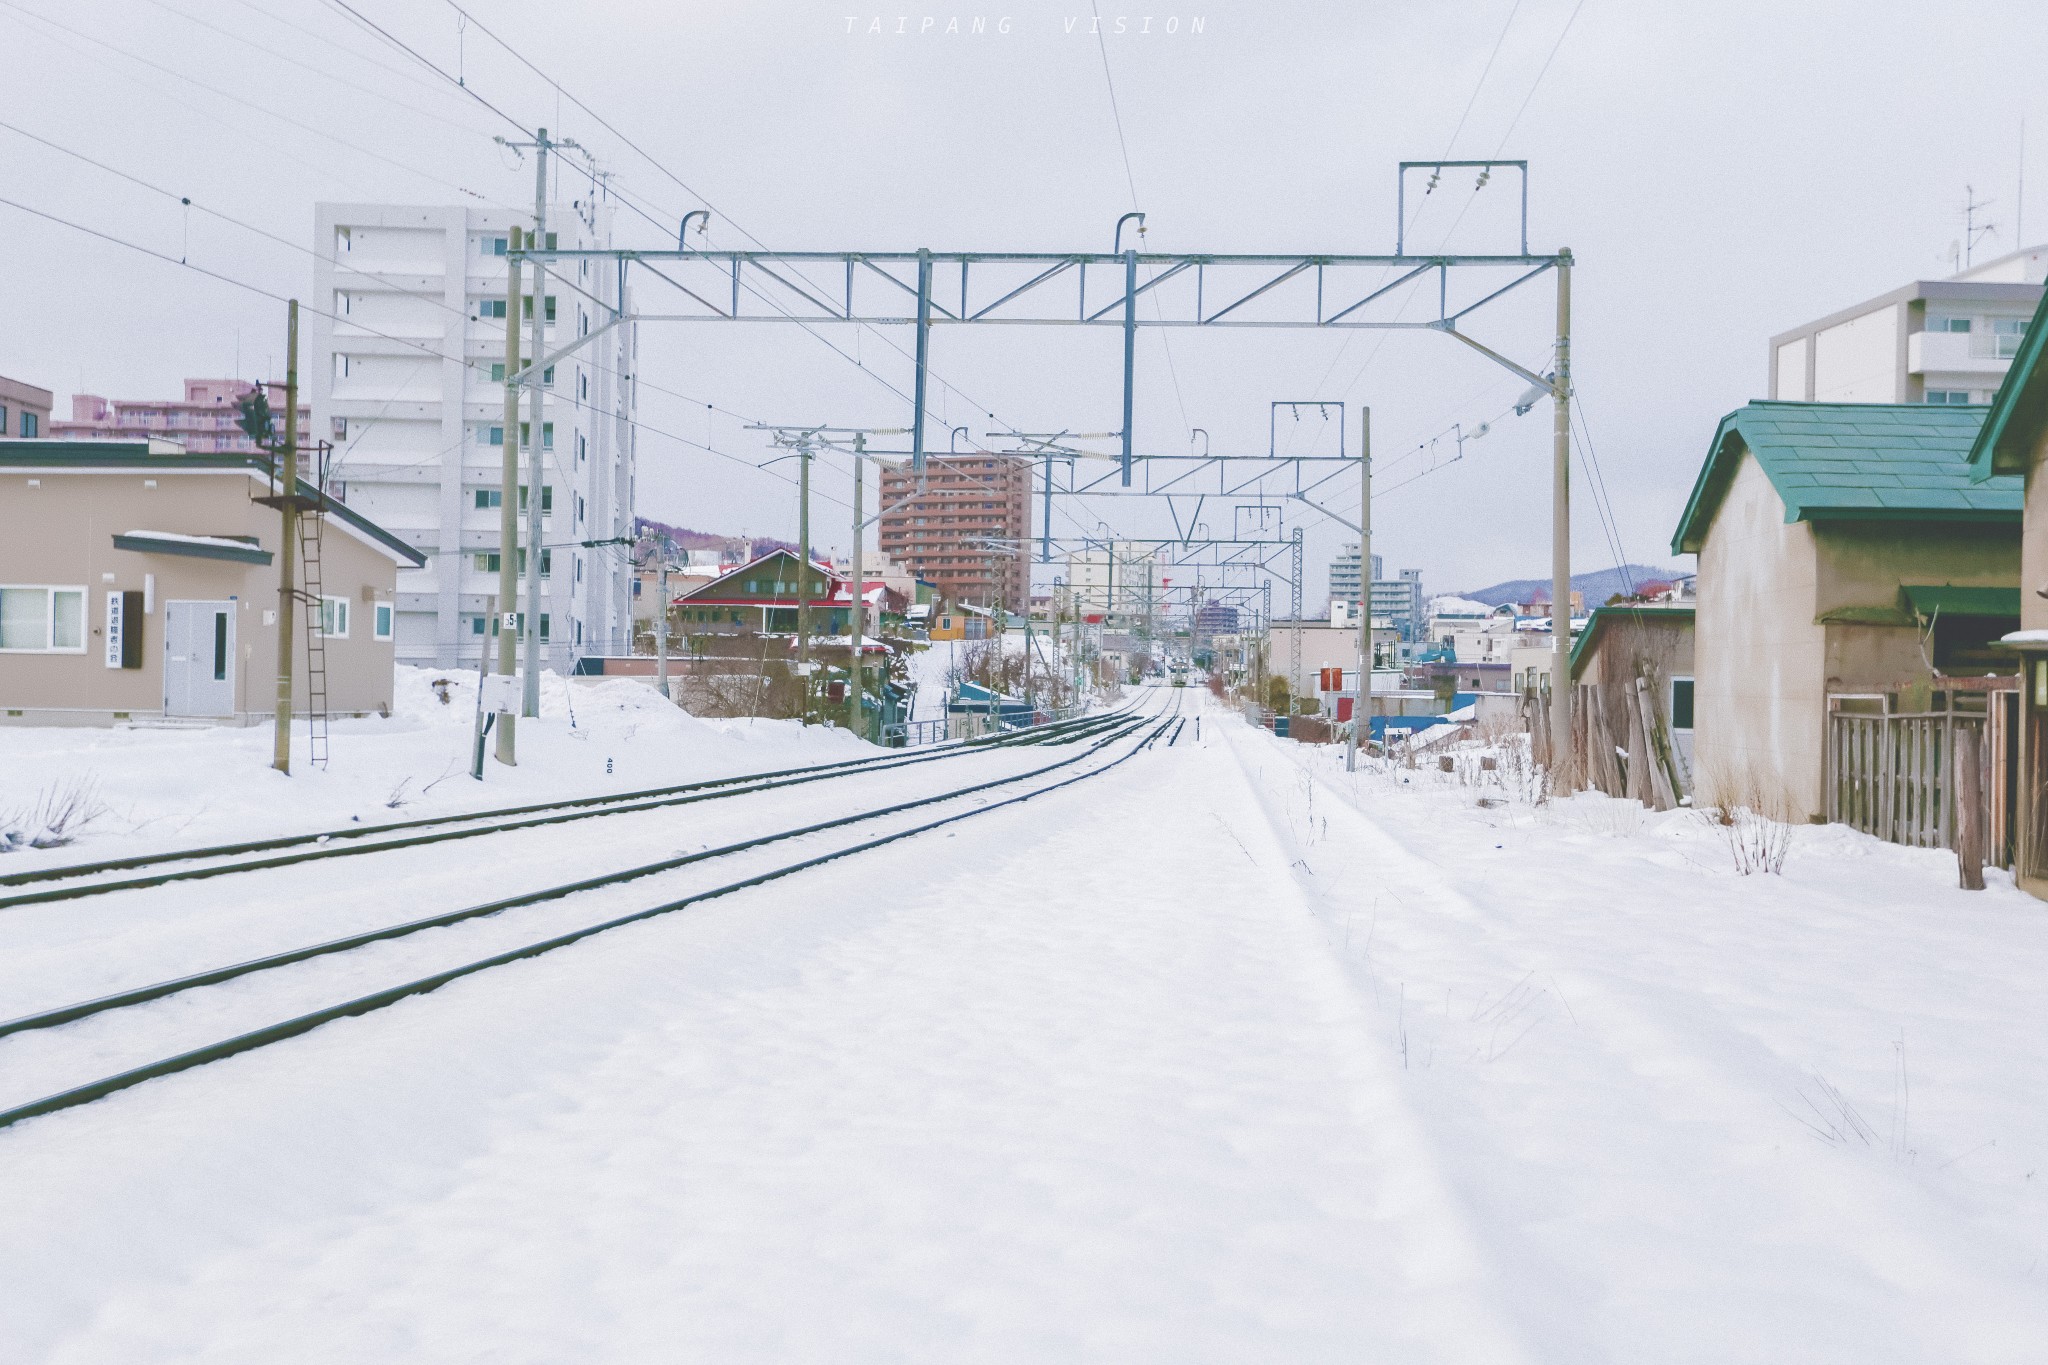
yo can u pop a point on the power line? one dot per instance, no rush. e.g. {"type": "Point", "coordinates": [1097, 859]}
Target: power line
{"type": "Point", "coordinates": [245, 103]}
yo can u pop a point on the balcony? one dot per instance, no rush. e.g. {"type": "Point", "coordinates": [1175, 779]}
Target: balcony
{"type": "Point", "coordinates": [1966, 353]}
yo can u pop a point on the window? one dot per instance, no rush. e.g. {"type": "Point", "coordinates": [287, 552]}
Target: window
{"type": "Point", "coordinates": [334, 617]}
{"type": "Point", "coordinates": [2006, 336]}
{"type": "Point", "coordinates": [28, 424]}
{"type": "Point", "coordinates": [547, 377]}
{"type": "Point", "coordinates": [1681, 703]}
{"type": "Point", "coordinates": [547, 499]}
{"type": "Point", "coordinates": [3, 417]}
{"type": "Point", "coordinates": [490, 436]}
{"type": "Point", "coordinates": [42, 620]}
{"type": "Point", "coordinates": [1948, 324]}
{"type": "Point", "coordinates": [493, 246]}
{"type": "Point", "coordinates": [491, 308]}
{"type": "Point", "coordinates": [498, 372]}
{"type": "Point", "coordinates": [1948, 396]}
{"type": "Point", "coordinates": [381, 626]}
{"type": "Point", "coordinates": [551, 318]}
{"type": "Point", "coordinates": [582, 384]}
{"type": "Point", "coordinates": [547, 434]}
{"type": "Point", "coordinates": [582, 449]}
{"type": "Point", "coordinates": [476, 625]}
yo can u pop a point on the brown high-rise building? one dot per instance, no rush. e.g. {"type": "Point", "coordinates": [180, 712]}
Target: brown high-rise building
{"type": "Point", "coordinates": [967, 532]}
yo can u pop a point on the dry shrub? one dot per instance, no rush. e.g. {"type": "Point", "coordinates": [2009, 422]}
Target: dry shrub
{"type": "Point", "coordinates": [54, 818]}
{"type": "Point", "coordinates": [1752, 814]}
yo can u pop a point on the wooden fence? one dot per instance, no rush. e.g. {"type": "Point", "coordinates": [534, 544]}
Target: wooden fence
{"type": "Point", "coordinates": [1894, 776]}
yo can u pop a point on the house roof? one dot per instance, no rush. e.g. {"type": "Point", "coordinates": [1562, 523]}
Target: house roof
{"type": "Point", "coordinates": [709, 594]}
{"type": "Point", "coordinates": [107, 457]}
{"type": "Point", "coordinates": [2019, 410]}
{"type": "Point", "coordinates": [1852, 461]}
{"type": "Point", "coordinates": [1637, 611]}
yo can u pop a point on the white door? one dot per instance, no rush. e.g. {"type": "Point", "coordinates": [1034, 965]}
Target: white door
{"type": "Point", "coordinates": [199, 654]}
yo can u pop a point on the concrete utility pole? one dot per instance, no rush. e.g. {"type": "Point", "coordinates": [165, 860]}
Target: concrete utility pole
{"type": "Point", "coordinates": [661, 544]}
{"type": "Point", "coordinates": [508, 506]}
{"type": "Point", "coordinates": [288, 549]}
{"type": "Point", "coordinates": [803, 573]}
{"type": "Point", "coordinates": [1361, 706]}
{"type": "Point", "coordinates": [1561, 536]}
{"type": "Point", "coordinates": [536, 474]}
{"type": "Point", "coordinates": [856, 721]}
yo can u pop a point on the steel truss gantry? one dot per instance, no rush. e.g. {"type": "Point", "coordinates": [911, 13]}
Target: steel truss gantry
{"type": "Point", "coordinates": [923, 289]}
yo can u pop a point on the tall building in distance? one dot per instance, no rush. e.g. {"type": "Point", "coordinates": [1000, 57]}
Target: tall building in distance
{"type": "Point", "coordinates": [1931, 341]}
{"type": "Point", "coordinates": [966, 530]}
{"type": "Point", "coordinates": [407, 381]}
{"type": "Point", "coordinates": [203, 421]}
{"type": "Point", "coordinates": [1398, 601]}
{"type": "Point", "coordinates": [1124, 580]}
{"type": "Point", "coordinates": [1344, 580]}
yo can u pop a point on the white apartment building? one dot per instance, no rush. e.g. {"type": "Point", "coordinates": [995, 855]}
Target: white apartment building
{"type": "Point", "coordinates": [1126, 579]}
{"type": "Point", "coordinates": [407, 383]}
{"type": "Point", "coordinates": [1931, 341]}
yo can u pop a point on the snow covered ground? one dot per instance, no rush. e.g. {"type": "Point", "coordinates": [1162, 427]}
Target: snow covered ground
{"type": "Point", "coordinates": [167, 788]}
{"type": "Point", "coordinates": [1224, 1056]}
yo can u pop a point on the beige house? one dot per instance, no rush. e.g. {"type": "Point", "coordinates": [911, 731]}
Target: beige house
{"type": "Point", "coordinates": [1846, 560]}
{"type": "Point", "coordinates": [140, 581]}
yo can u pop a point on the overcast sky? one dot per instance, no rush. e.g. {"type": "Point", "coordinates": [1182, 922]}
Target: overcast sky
{"type": "Point", "coordinates": [1721, 171]}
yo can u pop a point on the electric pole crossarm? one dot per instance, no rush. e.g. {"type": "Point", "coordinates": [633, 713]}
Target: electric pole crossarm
{"type": "Point", "coordinates": [1342, 521]}
{"type": "Point", "coordinates": [1495, 356]}
{"type": "Point", "coordinates": [531, 373]}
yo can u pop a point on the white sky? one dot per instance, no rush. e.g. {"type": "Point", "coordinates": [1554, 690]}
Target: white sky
{"type": "Point", "coordinates": [1721, 171]}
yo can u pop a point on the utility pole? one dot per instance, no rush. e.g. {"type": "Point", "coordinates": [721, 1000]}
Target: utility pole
{"type": "Point", "coordinates": [536, 473]}
{"type": "Point", "coordinates": [856, 720]}
{"type": "Point", "coordinates": [508, 505]}
{"type": "Point", "coordinates": [1361, 705]}
{"type": "Point", "coordinates": [287, 550]}
{"type": "Point", "coordinates": [1561, 538]}
{"type": "Point", "coordinates": [803, 572]}
{"type": "Point", "coordinates": [661, 621]}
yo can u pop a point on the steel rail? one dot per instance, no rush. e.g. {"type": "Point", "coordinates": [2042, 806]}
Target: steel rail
{"type": "Point", "coordinates": [66, 871]}
{"type": "Point", "coordinates": [322, 847]}
{"type": "Point", "coordinates": [65, 1014]}
{"type": "Point", "coordinates": [366, 1004]}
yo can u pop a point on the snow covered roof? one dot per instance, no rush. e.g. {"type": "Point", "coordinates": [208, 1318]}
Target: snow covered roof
{"type": "Point", "coordinates": [1458, 606]}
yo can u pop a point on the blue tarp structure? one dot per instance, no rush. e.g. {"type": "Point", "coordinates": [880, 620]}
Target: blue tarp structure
{"type": "Point", "coordinates": [975, 700]}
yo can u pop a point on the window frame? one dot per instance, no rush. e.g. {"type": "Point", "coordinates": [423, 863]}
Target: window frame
{"type": "Point", "coordinates": [1691, 702]}
{"type": "Point", "coordinates": [50, 591]}
{"type": "Point", "coordinates": [383, 620]}
{"type": "Point", "coordinates": [340, 609]}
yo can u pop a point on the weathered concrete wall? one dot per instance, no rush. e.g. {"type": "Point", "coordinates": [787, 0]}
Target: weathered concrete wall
{"type": "Point", "coordinates": [62, 533]}
{"type": "Point", "coordinates": [1758, 709]}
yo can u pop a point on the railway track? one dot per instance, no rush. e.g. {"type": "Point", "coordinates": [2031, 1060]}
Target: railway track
{"type": "Point", "coordinates": [78, 881]}
{"type": "Point", "coordinates": [1122, 726]}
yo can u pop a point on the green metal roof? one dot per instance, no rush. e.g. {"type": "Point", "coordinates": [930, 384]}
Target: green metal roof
{"type": "Point", "coordinates": [2019, 410]}
{"type": "Point", "coordinates": [1948, 601]}
{"type": "Point", "coordinates": [1853, 461]}
{"type": "Point", "coordinates": [87, 456]}
{"type": "Point", "coordinates": [1639, 611]}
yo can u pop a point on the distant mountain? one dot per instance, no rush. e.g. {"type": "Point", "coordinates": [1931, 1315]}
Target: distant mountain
{"type": "Point", "coordinates": [1597, 586]}
{"type": "Point", "coordinates": [687, 539]}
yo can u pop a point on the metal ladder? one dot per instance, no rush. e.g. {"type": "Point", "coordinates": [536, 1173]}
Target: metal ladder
{"type": "Point", "coordinates": [311, 524]}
